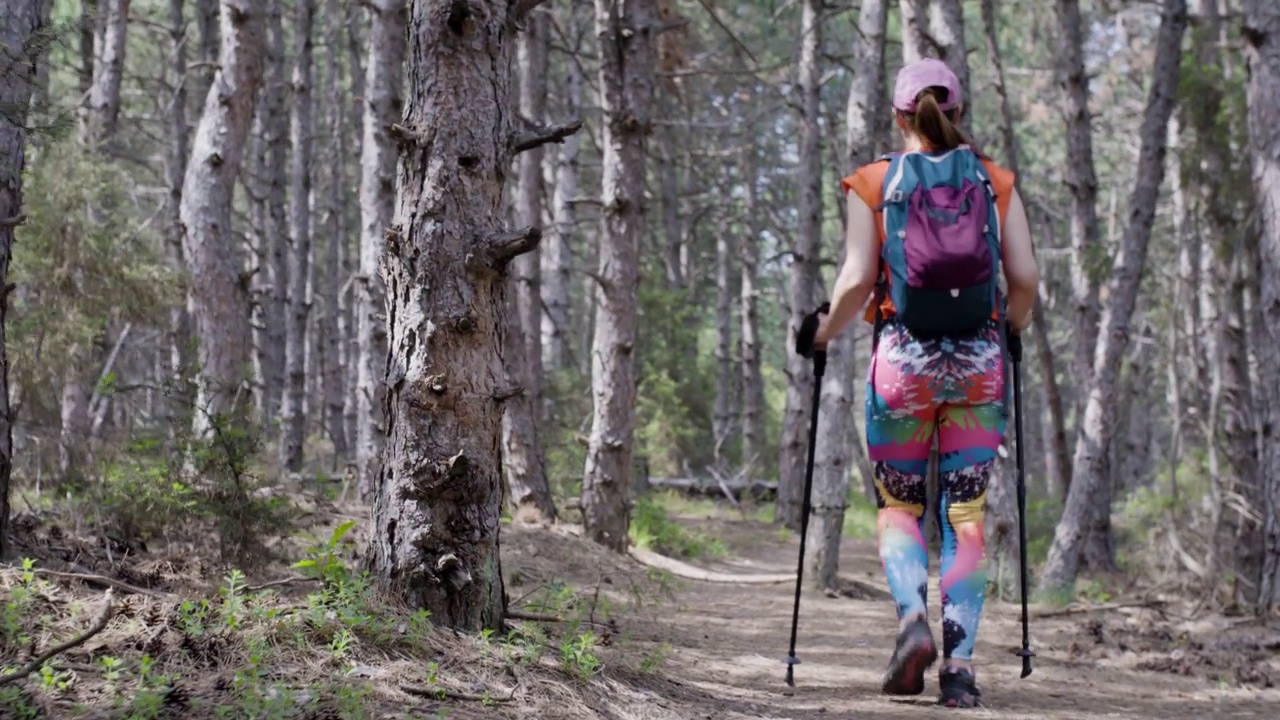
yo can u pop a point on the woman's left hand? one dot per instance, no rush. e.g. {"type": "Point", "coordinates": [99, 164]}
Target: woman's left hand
{"type": "Point", "coordinates": [823, 336]}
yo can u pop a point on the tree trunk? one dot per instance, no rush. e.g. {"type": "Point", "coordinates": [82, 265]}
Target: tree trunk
{"type": "Point", "coordinates": [269, 216]}
{"type": "Point", "coordinates": [331, 326]}
{"type": "Point", "coordinates": [915, 30]}
{"type": "Point", "coordinates": [178, 366]}
{"type": "Point", "coordinates": [555, 252]}
{"type": "Point", "coordinates": [752, 419]}
{"type": "Point", "coordinates": [947, 23]}
{"type": "Point", "coordinates": [383, 108]}
{"type": "Point", "coordinates": [628, 38]}
{"type": "Point", "coordinates": [804, 274]}
{"type": "Point", "coordinates": [1082, 182]}
{"type": "Point", "coordinates": [210, 43]}
{"type": "Point", "coordinates": [219, 296]}
{"type": "Point", "coordinates": [438, 502]}
{"type": "Point", "coordinates": [293, 410]}
{"type": "Point", "coordinates": [1262, 47]}
{"type": "Point", "coordinates": [102, 111]}
{"type": "Point", "coordinates": [20, 21]}
{"type": "Point", "coordinates": [1089, 496]}
{"type": "Point", "coordinates": [88, 22]}
{"type": "Point", "coordinates": [522, 444]}
{"type": "Point", "coordinates": [722, 415]}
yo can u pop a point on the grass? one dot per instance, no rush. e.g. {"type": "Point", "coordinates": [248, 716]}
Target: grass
{"type": "Point", "coordinates": [653, 528]}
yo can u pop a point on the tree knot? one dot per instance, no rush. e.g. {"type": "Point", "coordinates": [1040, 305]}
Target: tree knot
{"type": "Point", "coordinates": [450, 569]}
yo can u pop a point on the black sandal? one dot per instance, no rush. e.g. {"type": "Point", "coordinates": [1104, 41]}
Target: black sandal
{"type": "Point", "coordinates": [959, 688]}
{"type": "Point", "coordinates": [913, 654]}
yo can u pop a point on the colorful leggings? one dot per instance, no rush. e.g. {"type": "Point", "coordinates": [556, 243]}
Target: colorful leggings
{"type": "Point", "coordinates": [954, 385]}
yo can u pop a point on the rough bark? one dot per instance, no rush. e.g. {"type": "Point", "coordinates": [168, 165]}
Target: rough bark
{"type": "Point", "coordinates": [293, 409]}
{"type": "Point", "coordinates": [804, 274]}
{"type": "Point", "coordinates": [752, 419]}
{"type": "Point", "coordinates": [627, 35]}
{"type": "Point", "coordinates": [219, 296]}
{"type": "Point", "coordinates": [524, 461]}
{"type": "Point", "coordinates": [271, 214]}
{"type": "Point", "coordinates": [915, 30]}
{"type": "Point", "coordinates": [101, 113]}
{"type": "Point", "coordinates": [438, 503]}
{"type": "Point", "coordinates": [1082, 182]}
{"type": "Point", "coordinates": [555, 251]}
{"type": "Point", "coordinates": [20, 21]}
{"type": "Point", "coordinates": [331, 326]}
{"type": "Point", "coordinates": [385, 100]}
{"type": "Point", "coordinates": [179, 365]}
{"type": "Point", "coordinates": [1262, 48]}
{"type": "Point", "coordinates": [1089, 484]}
{"type": "Point", "coordinates": [947, 24]}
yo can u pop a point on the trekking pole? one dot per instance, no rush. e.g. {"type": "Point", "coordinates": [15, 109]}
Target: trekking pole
{"type": "Point", "coordinates": [805, 348]}
{"type": "Point", "coordinates": [1015, 351]}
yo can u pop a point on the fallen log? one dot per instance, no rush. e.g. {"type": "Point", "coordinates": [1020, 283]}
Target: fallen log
{"type": "Point", "coordinates": [735, 489]}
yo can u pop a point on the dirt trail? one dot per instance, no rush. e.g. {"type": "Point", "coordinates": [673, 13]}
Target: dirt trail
{"type": "Point", "coordinates": [727, 642]}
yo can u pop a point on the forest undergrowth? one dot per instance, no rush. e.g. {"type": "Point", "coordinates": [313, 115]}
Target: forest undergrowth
{"type": "Point", "coordinates": [172, 630]}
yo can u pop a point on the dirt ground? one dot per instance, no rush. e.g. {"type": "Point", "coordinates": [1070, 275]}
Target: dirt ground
{"type": "Point", "coordinates": [672, 648]}
{"type": "Point", "coordinates": [727, 641]}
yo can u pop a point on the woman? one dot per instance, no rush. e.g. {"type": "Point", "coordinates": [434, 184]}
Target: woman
{"type": "Point", "coordinates": [951, 385]}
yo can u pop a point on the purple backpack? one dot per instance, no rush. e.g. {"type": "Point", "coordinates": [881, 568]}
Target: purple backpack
{"type": "Point", "coordinates": [941, 255]}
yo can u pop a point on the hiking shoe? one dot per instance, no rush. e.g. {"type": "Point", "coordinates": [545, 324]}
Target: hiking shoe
{"type": "Point", "coordinates": [914, 653]}
{"type": "Point", "coordinates": [959, 688]}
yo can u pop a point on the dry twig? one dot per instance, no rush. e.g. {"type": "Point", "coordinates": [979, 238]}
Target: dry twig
{"type": "Point", "coordinates": [282, 581]}
{"type": "Point", "coordinates": [101, 580]}
{"type": "Point", "coordinates": [104, 616]}
{"type": "Point", "coordinates": [1154, 604]}
{"type": "Point", "coordinates": [443, 694]}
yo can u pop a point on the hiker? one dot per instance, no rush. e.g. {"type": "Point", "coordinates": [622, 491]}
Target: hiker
{"type": "Point", "coordinates": [952, 218]}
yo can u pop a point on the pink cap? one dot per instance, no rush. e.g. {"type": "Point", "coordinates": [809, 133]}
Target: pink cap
{"type": "Point", "coordinates": [920, 75]}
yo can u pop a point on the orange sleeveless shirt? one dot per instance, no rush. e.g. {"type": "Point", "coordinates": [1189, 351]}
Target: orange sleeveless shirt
{"type": "Point", "coordinates": [868, 180]}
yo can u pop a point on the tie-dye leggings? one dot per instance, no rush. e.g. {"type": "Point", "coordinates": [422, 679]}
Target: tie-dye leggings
{"type": "Point", "coordinates": [954, 385]}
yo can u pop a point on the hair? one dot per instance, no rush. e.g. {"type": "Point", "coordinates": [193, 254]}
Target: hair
{"type": "Point", "coordinates": [935, 127]}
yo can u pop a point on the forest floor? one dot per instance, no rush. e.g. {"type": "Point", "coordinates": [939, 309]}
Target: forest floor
{"type": "Point", "coordinates": [596, 636]}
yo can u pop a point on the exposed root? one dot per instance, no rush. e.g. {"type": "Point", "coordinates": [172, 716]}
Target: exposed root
{"type": "Point", "coordinates": [104, 617]}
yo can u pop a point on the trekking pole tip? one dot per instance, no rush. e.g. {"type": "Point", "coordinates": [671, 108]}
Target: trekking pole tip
{"type": "Point", "coordinates": [792, 661]}
{"type": "Point", "coordinates": [1026, 654]}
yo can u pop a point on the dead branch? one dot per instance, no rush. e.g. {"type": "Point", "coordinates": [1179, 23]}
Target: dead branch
{"type": "Point", "coordinates": [689, 572]}
{"type": "Point", "coordinates": [101, 580]}
{"type": "Point", "coordinates": [504, 248]}
{"type": "Point", "coordinates": [14, 221]}
{"type": "Point", "coordinates": [104, 617]}
{"type": "Point", "coordinates": [292, 579]}
{"type": "Point", "coordinates": [538, 136]}
{"type": "Point", "coordinates": [1109, 607]}
{"type": "Point", "coordinates": [443, 694]}
{"type": "Point", "coordinates": [523, 7]}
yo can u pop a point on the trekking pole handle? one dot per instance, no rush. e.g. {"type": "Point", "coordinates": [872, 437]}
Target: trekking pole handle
{"type": "Point", "coordinates": [806, 335]}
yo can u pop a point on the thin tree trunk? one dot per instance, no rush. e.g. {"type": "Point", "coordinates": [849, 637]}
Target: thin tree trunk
{"type": "Point", "coordinates": [522, 444]}
{"type": "Point", "coordinates": [88, 22]}
{"type": "Point", "coordinates": [555, 254]}
{"type": "Point", "coordinates": [915, 30]}
{"type": "Point", "coordinates": [1089, 486]}
{"type": "Point", "coordinates": [383, 108]}
{"type": "Point", "coordinates": [438, 506]}
{"type": "Point", "coordinates": [804, 274]}
{"type": "Point", "coordinates": [1082, 182]}
{"type": "Point", "coordinates": [273, 214]}
{"type": "Point", "coordinates": [1262, 48]}
{"type": "Point", "coordinates": [179, 365]}
{"type": "Point", "coordinates": [293, 412]}
{"type": "Point", "coordinates": [752, 419]}
{"type": "Point", "coordinates": [947, 23]}
{"type": "Point", "coordinates": [207, 13]}
{"type": "Point", "coordinates": [331, 325]}
{"type": "Point", "coordinates": [722, 415]}
{"type": "Point", "coordinates": [20, 23]}
{"type": "Point", "coordinates": [219, 296]}
{"type": "Point", "coordinates": [102, 109]}
{"type": "Point", "coordinates": [627, 36]}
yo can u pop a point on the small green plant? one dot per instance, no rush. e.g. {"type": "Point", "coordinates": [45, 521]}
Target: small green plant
{"type": "Point", "coordinates": [654, 659]}
{"type": "Point", "coordinates": [578, 655]}
{"type": "Point", "coordinates": [323, 562]}
{"type": "Point", "coordinates": [14, 703]}
{"type": "Point", "coordinates": [653, 529]}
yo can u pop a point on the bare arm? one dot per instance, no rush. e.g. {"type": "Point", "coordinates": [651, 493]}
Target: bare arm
{"type": "Point", "coordinates": [857, 276]}
{"type": "Point", "coordinates": [1020, 269]}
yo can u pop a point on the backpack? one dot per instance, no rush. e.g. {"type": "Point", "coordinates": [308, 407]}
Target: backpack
{"type": "Point", "coordinates": [940, 261]}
